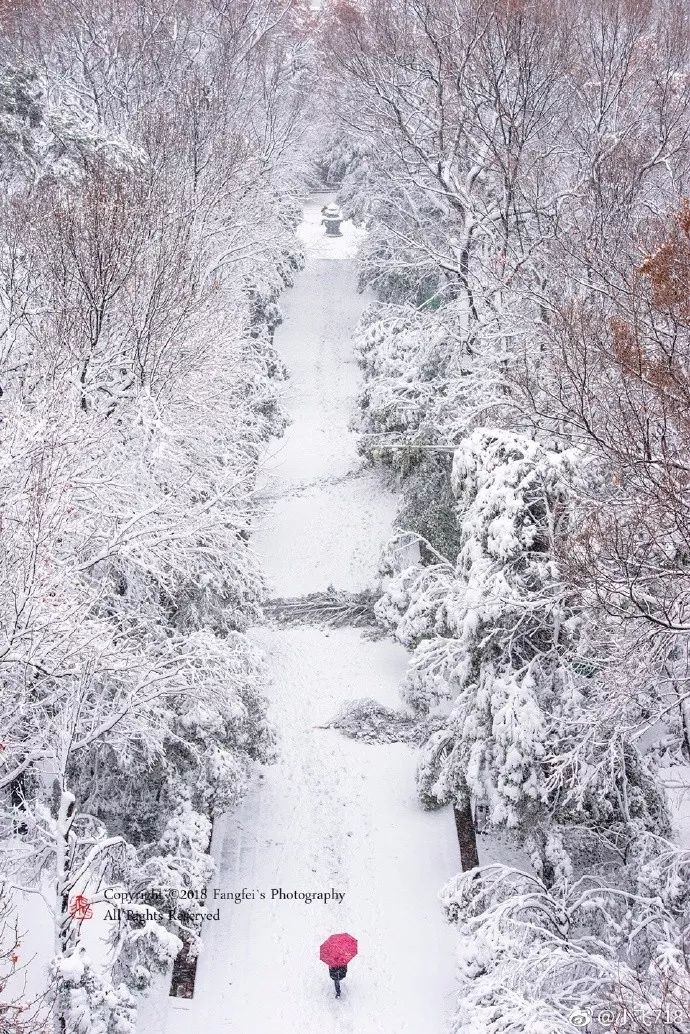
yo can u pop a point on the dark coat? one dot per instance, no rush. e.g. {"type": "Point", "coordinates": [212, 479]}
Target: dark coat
{"type": "Point", "coordinates": [337, 972]}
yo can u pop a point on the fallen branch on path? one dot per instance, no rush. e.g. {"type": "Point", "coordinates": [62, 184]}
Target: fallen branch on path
{"type": "Point", "coordinates": [333, 607]}
{"type": "Point", "coordinates": [371, 722]}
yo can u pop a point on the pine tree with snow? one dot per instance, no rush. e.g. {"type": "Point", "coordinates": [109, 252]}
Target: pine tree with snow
{"type": "Point", "coordinates": [503, 632]}
{"type": "Point", "coordinates": [503, 648]}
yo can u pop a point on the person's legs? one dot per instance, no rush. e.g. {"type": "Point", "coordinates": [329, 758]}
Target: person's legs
{"type": "Point", "coordinates": [337, 987]}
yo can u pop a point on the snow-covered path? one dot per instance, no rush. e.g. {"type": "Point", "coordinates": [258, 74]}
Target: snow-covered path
{"type": "Point", "coordinates": [332, 814]}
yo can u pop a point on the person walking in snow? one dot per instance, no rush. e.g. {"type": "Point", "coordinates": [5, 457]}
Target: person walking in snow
{"type": "Point", "coordinates": [337, 973]}
{"type": "Point", "coordinates": [336, 951]}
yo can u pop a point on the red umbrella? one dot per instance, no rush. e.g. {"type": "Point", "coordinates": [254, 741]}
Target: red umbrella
{"type": "Point", "coordinates": [338, 949]}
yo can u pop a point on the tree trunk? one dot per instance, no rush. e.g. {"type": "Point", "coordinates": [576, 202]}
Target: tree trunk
{"type": "Point", "coordinates": [467, 836]}
{"type": "Point", "coordinates": [62, 866]}
{"type": "Point", "coordinates": [18, 802]}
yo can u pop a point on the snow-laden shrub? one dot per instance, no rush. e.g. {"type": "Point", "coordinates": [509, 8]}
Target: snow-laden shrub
{"type": "Point", "coordinates": [337, 156]}
{"type": "Point", "coordinates": [406, 355]}
{"type": "Point", "coordinates": [429, 507]}
{"type": "Point", "coordinates": [412, 603]}
{"type": "Point", "coordinates": [577, 951]}
{"type": "Point", "coordinates": [88, 1002]}
{"type": "Point", "coordinates": [414, 363]}
{"type": "Point", "coordinates": [142, 951]}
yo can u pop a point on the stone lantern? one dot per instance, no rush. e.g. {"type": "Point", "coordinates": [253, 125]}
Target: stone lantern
{"type": "Point", "coordinates": [332, 218]}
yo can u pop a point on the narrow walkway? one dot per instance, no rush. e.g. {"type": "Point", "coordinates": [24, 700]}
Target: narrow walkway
{"type": "Point", "coordinates": [332, 815]}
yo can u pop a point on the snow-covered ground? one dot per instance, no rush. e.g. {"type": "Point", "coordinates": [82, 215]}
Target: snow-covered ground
{"type": "Point", "coordinates": [333, 813]}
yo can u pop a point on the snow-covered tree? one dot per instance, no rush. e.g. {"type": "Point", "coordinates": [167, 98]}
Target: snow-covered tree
{"type": "Point", "coordinates": [147, 232]}
{"type": "Point", "coordinates": [20, 1012]}
{"type": "Point", "coordinates": [498, 635]}
{"type": "Point", "coordinates": [584, 951]}
{"type": "Point", "coordinates": [504, 648]}
{"type": "Point", "coordinates": [513, 166]}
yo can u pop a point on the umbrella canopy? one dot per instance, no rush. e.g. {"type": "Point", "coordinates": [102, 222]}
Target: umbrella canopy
{"type": "Point", "coordinates": [338, 949]}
